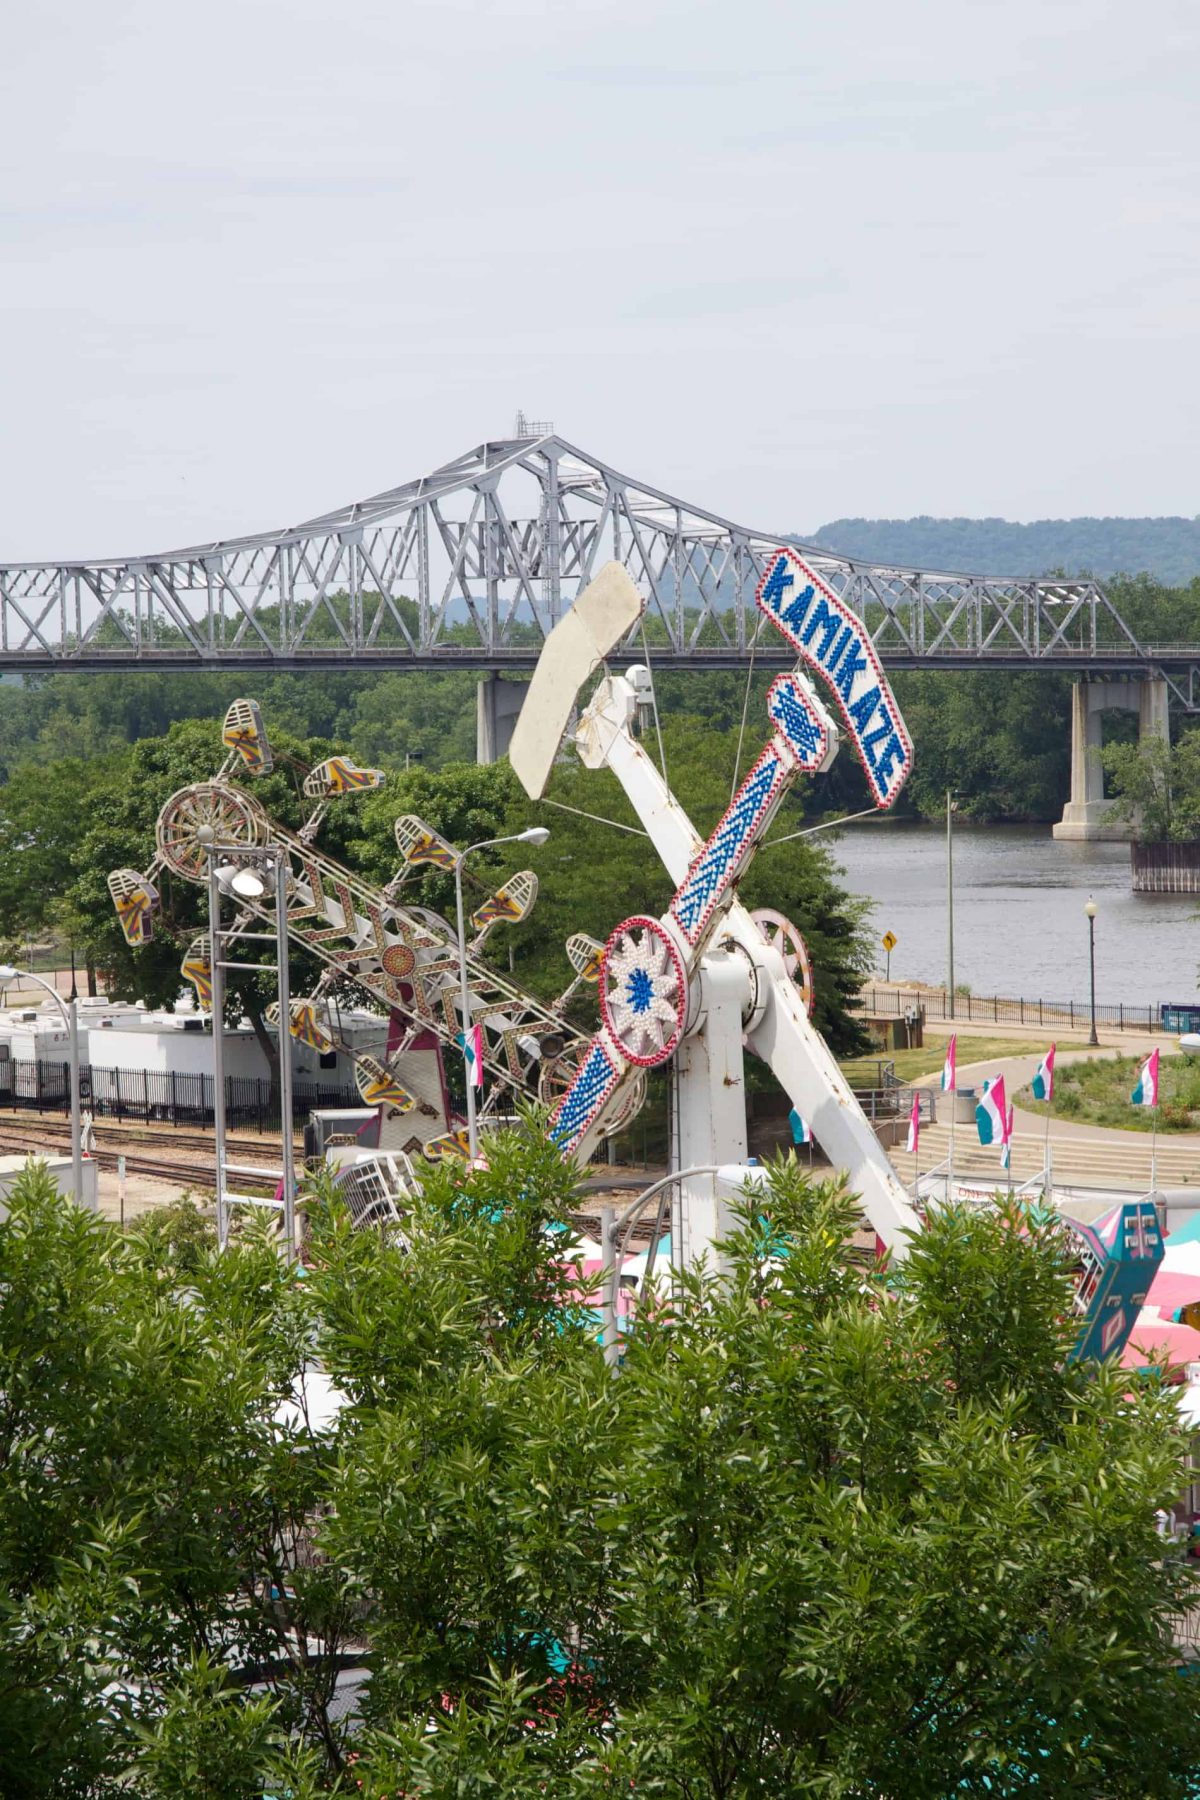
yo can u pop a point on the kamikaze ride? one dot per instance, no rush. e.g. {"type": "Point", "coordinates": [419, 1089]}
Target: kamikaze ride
{"type": "Point", "coordinates": [697, 985]}
{"type": "Point", "coordinates": [708, 978]}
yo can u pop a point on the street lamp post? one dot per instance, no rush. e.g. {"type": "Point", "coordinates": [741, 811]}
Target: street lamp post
{"type": "Point", "coordinates": [244, 876]}
{"type": "Point", "coordinates": [536, 834]}
{"type": "Point", "coordinates": [1090, 910]}
{"type": "Point", "coordinates": [71, 1019]}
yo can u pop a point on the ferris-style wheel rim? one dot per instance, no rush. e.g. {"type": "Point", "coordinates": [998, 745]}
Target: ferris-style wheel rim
{"type": "Point", "coordinates": [777, 930]}
{"type": "Point", "coordinates": [233, 816]}
{"type": "Point", "coordinates": [630, 1100]}
{"type": "Point", "coordinates": [643, 992]}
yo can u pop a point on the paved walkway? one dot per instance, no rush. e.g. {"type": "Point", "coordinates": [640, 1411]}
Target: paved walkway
{"type": "Point", "coordinates": [1081, 1154]}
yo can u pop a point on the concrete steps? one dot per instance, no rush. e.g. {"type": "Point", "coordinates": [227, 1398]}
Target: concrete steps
{"type": "Point", "coordinates": [1117, 1162]}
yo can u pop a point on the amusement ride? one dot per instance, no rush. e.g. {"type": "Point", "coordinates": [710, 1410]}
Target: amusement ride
{"type": "Point", "coordinates": [693, 988]}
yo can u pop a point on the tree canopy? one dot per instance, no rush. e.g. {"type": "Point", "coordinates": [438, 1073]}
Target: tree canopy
{"type": "Point", "coordinates": [829, 1531]}
{"type": "Point", "coordinates": [66, 824]}
{"type": "Point", "coordinates": [1156, 787]}
{"type": "Point", "coordinates": [1166, 548]}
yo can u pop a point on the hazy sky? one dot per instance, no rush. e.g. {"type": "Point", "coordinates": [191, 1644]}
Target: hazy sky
{"type": "Point", "coordinates": [788, 261]}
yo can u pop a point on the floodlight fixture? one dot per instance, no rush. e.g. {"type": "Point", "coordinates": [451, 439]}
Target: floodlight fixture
{"type": "Point", "coordinates": [248, 884]}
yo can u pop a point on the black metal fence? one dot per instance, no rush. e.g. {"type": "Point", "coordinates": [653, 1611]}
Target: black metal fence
{"type": "Point", "coordinates": [977, 1009]}
{"type": "Point", "coordinates": [175, 1099]}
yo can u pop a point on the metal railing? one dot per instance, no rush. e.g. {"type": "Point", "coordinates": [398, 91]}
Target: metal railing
{"type": "Point", "coordinates": [977, 1009]}
{"type": "Point", "coordinates": [161, 1095]}
{"type": "Point", "coordinates": [884, 1103]}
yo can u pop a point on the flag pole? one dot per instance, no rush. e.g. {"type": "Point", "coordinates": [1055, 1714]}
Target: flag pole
{"type": "Point", "coordinates": [917, 1165]}
{"type": "Point", "coordinates": [1154, 1153]}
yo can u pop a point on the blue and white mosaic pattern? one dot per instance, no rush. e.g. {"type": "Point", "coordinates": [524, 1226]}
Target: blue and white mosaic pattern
{"type": "Point", "coordinates": [833, 640]}
{"type": "Point", "coordinates": [595, 1080]}
{"type": "Point", "coordinates": [719, 861]}
{"type": "Point", "coordinates": [792, 711]}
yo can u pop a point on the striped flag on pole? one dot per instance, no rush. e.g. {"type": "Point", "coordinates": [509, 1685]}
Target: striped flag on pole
{"type": "Point", "coordinates": [472, 1049]}
{"type": "Point", "coordinates": [1042, 1084]}
{"type": "Point", "coordinates": [991, 1115]}
{"type": "Point", "coordinates": [801, 1129]}
{"type": "Point", "coordinates": [948, 1065]}
{"type": "Point", "coordinates": [1006, 1146]}
{"type": "Point", "coordinates": [914, 1125]}
{"type": "Point", "coordinates": [1146, 1091]}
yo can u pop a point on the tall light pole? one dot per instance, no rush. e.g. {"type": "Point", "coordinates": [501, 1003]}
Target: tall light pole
{"type": "Point", "coordinates": [245, 876]}
{"type": "Point", "coordinates": [951, 809]}
{"type": "Point", "coordinates": [536, 834]}
{"type": "Point", "coordinates": [71, 1020]}
{"type": "Point", "coordinates": [1090, 909]}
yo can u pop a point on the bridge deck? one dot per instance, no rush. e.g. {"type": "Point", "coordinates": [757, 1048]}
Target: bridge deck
{"type": "Point", "coordinates": [472, 565]}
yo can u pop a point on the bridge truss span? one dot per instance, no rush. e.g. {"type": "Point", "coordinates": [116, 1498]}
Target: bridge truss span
{"type": "Point", "coordinates": [473, 565]}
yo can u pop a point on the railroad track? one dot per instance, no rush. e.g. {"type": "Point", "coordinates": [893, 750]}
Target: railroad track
{"type": "Point", "coordinates": [120, 1134]}
{"type": "Point", "coordinates": [196, 1170]}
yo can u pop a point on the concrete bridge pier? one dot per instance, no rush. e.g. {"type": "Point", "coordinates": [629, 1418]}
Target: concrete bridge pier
{"type": "Point", "coordinates": [1083, 819]}
{"type": "Point", "coordinates": [497, 704]}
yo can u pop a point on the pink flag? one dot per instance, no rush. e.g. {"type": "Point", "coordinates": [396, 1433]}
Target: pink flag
{"type": "Point", "coordinates": [991, 1114]}
{"type": "Point", "coordinates": [914, 1125]}
{"type": "Point", "coordinates": [1146, 1091]}
{"type": "Point", "coordinates": [948, 1070]}
{"type": "Point", "coordinates": [475, 1056]}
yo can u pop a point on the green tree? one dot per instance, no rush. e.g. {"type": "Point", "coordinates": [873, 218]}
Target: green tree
{"type": "Point", "coordinates": [154, 1501]}
{"type": "Point", "coordinates": [1156, 787]}
{"type": "Point", "coordinates": [43, 814]}
{"type": "Point", "coordinates": [822, 1536]}
{"type": "Point", "coordinates": [830, 1530]}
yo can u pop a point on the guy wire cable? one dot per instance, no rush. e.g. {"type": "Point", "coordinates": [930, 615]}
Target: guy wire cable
{"type": "Point", "coordinates": [737, 761]}
{"type": "Point", "coordinates": [597, 818]}
{"type": "Point", "coordinates": [662, 755]}
{"type": "Point", "coordinates": [826, 825]}
{"type": "Point", "coordinates": [737, 764]}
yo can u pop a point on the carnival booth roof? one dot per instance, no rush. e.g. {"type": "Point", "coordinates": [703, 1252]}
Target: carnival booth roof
{"type": "Point", "coordinates": [1159, 1334]}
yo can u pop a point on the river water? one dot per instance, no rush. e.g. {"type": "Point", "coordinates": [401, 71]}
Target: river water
{"type": "Point", "coordinates": [1019, 924]}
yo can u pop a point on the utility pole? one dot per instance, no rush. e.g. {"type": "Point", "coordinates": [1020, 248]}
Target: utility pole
{"type": "Point", "coordinates": [950, 808]}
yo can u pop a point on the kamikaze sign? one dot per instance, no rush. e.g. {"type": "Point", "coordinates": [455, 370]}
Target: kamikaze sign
{"type": "Point", "coordinates": [833, 641]}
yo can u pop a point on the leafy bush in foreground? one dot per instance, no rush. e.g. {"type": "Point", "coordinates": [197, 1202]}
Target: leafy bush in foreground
{"type": "Point", "coordinates": [829, 1532]}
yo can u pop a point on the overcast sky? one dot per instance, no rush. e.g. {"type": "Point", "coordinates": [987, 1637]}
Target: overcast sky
{"type": "Point", "coordinates": [788, 261]}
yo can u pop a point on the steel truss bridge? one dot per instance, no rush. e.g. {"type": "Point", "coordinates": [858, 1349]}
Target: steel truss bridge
{"type": "Point", "coordinates": [472, 565]}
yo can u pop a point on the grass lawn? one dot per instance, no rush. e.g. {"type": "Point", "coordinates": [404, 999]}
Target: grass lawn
{"type": "Point", "coordinates": [1097, 1093]}
{"type": "Point", "coordinates": [912, 1065]}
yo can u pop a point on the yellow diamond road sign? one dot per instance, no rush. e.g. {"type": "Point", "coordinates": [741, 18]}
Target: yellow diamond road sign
{"type": "Point", "coordinates": [889, 940]}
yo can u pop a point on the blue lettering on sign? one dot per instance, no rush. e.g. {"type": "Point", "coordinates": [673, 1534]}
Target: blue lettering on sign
{"type": "Point", "coordinates": [832, 639]}
{"type": "Point", "coordinates": [876, 737]}
{"type": "Point", "coordinates": [777, 584]}
{"type": "Point", "coordinates": [891, 754]}
{"type": "Point", "coordinates": [839, 648]}
{"type": "Point", "coordinates": [852, 665]}
{"type": "Point", "coordinates": [794, 616]}
{"type": "Point", "coordinates": [860, 713]}
{"type": "Point", "coordinates": [828, 622]}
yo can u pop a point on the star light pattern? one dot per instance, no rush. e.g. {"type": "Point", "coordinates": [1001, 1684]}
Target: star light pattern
{"type": "Point", "coordinates": [644, 991]}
